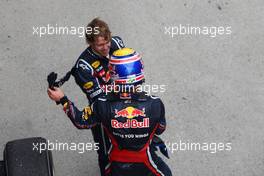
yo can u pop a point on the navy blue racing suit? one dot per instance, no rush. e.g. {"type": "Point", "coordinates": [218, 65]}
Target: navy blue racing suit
{"type": "Point", "coordinates": [91, 73]}
{"type": "Point", "coordinates": [131, 124]}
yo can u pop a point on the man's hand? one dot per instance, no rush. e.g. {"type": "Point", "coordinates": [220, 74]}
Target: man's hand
{"type": "Point", "coordinates": [52, 80]}
{"type": "Point", "coordinates": [55, 94]}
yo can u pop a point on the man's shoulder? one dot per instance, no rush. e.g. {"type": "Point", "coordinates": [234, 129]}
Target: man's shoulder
{"type": "Point", "coordinates": [154, 99]}
{"type": "Point", "coordinates": [87, 55]}
{"type": "Point", "coordinates": [117, 43]}
{"type": "Point", "coordinates": [147, 97]}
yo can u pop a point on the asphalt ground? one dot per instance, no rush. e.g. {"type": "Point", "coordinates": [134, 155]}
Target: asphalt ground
{"type": "Point", "coordinates": [214, 80]}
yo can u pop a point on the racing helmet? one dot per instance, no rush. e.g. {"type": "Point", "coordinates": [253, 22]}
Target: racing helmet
{"type": "Point", "coordinates": [126, 67]}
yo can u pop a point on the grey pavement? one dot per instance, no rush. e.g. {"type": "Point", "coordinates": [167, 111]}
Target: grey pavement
{"type": "Point", "coordinates": [214, 85]}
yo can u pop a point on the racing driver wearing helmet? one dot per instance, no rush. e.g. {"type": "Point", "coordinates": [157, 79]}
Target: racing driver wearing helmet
{"type": "Point", "coordinates": [131, 118]}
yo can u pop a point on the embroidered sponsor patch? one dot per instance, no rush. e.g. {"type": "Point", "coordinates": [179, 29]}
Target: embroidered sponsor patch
{"type": "Point", "coordinates": [88, 85]}
{"type": "Point", "coordinates": [130, 113]}
{"type": "Point", "coordinates": [96, 64]}
{"type": "Point", "coordinates": [87, 113]}
{"type": "Point", "coordinates": [99, 68]}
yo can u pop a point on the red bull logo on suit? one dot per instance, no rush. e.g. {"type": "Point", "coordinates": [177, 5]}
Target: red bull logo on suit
{"type": "Point", "coordinates": [130, 113]}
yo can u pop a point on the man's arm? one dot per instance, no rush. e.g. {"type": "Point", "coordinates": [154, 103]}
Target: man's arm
{"type": "Point", "coordinates": [159, 106]}
{"type": "Point", "coordinates": [159, 109]}
{"type": "Point", "coordinates": [84, 119]}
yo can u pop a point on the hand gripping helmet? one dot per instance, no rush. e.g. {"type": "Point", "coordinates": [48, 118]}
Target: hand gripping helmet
{"type": "Point", "coordinates": [126, 67]}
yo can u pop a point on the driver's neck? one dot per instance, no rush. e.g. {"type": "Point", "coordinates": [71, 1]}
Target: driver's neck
{"type": "Point", "coordinates": [96, 52]}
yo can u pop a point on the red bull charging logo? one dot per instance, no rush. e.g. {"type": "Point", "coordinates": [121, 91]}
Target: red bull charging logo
{"type": "Point", "coordinates": [130, 113]}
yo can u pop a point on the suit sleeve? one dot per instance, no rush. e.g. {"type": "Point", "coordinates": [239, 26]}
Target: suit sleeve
{"type": "Point", "coordinates": [159, 106]}
{"type": "Point", "coordinates": [84, 119]}
{"type": "Point", "coordinates": [116, 43]}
